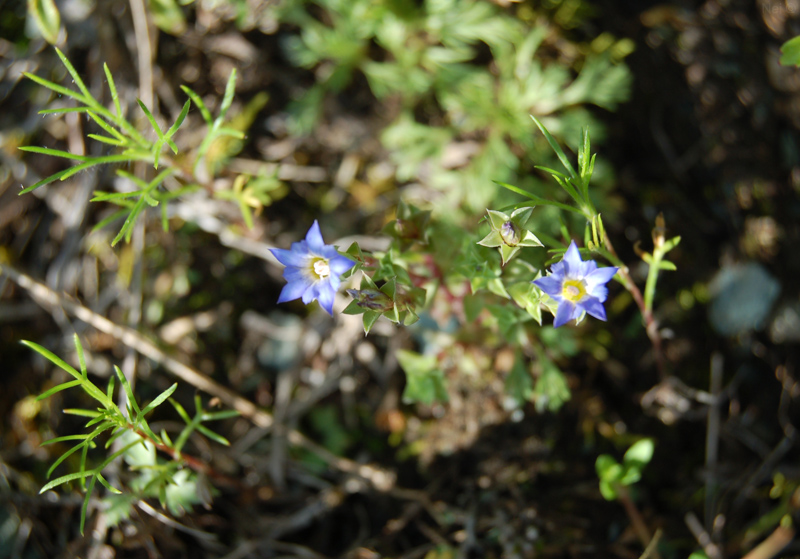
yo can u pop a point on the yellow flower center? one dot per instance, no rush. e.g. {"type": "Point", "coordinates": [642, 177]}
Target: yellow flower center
{"type": "Point", "coordinates": [320, 268]}
{"type": "Point", "coordinates": [573, 290]}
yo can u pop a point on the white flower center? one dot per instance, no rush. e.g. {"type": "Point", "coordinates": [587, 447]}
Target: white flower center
{"type": "Point", "coordinates": [321, 268]}
{"type": "Point", "coordinates": [573, 290]}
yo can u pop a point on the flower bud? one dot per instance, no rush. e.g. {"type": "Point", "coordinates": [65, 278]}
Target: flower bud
{"type": "Point", "coordinates": [372, 299]}
{"type": "Point", "coordinates": [510, 233]}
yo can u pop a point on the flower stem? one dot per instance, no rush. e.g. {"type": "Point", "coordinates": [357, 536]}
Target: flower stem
{"type": "Point", "coordinates": [651, 326]}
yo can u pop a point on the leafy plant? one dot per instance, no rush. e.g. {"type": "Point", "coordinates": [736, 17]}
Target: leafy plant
{"type": "Point", "coordinates": [128, 435]}
{"type": "Point", "coordinates": [615, 476]}
{"type": "Point", "coordinates": [122, 135]}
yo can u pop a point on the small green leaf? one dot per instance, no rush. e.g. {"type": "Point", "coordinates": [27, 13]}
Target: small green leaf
{"type": "Point", "coordinates": [790, 52]}
{"type": "Point", "coordinates": [54, 359]}
{"type": "Point", "coordinates": [552, 390]}
{"type": "Point", "coordinates": [213, 436]}
{"type": "Point", "coordinates": [425, 382]}
{"type": "Point", "coordinates": [641, 452]}
{"type": "Point", "coordinates": [85, 506]}
{"type": "Point", "coordinates": [227, 98]}
{"type": "Point", "coordinates": [157, 402]}
{"type": "Point", "coordinates": [204, 112]}
{"type": "Point", "coordinates": [64, 479]}
{"type": "Point", "coordinates": [59, 388]}
{"type": "Point", "coordinates": [65, 438]}
{"type": "Point", "coordinates": [370, 317]}
{"type": "Point", "coordinates": [519, 383]}
{"type": "Point", "coordinates": [48, 20]}
{"type": "Point", "coordinates": [76, 78]}
{"type": "Point", "coordinates": [556, 148]}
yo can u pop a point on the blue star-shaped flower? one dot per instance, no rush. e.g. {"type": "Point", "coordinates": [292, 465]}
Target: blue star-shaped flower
{"type": "Point", "coordinates": [312, 270]}
{"type": "Point", "coordinates": [576, 286]}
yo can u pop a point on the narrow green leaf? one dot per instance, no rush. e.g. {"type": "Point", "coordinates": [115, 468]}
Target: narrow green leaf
{"type": "Point", "coordinates": [538, 200]}
{"type": "Point", "coordinates": [113, 217]}
{"type": "Point", "coordinates": [180, 410]}
{"type": "Point", "coordinates": [213, 436]}
{"type": "Point", "coordinates": [551, 171]}
{"type": "Point", "coordinates": [64, 438]}
{"type": "Point", "coordinates": [110, 388]}
{"type": "Point", "coordinates": [113, 89]}
{"type": "Point", "coordinates": [107, 485]}
{"type": "Point", "coordinates": [165, 438]}
{"type": "Point", "coordinates": [65, 110]}
{"type": "Point", "coordinates": [179, 121]}
{"type": "Point", "coordinates": [126, 385]}
{"type": "Point", "coordinates": [57, 88]}
{"type": "Point", "coordinates": [129, 221]}
{"type": "Point", "coordinates": [64, 479]}
{"type": "Point", "coordinates": [133, 178]}
{"type": "Point", "coordinates": [225, 131]}
{"type": "Point", "coordinates": [106, 140]}
{"type": "Point", "coordinates": [219, 415]}
{"type": "Point", "coordinates": [108, 196]}
{"type": "Point", "coordinates": [206, 114]}
{"type": "Point", "coordinates": [556, 148]}
{"type": "Point", "coordinates": [164, 218]}
{"type": "Point", "coordinates": [55, 153]}
{"type": "Point", "coordinates": [157, 402]}
{"type": "Point", "coordinates": [82, 413]}
{"type": "Point", "coordinates": [116, 435]}
{"type": "Point", "coordinates": [59, 388]}
{"type": "Point", "coordinates": [54, 359]}
{"type": "Point", "coordinates": [125, 157]}
{"type": "Point", "coordinates": [48, 180]}
{"type": "Point", "coordinates": [108, 128]}
{"type": "Point", "coordinates": [76, 78]}
{"type": "Point", "coordinates": [86, 502]}
{"type": "Point", "coordinates": [151, 118]}
{"type": "Point", "coordinates": [64, 456]}
{"type": "Point", "coordinates": [227, 99]}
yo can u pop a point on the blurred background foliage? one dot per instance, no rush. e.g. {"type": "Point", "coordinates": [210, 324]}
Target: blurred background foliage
{"type": "Point", "coordinates": [349, 108]}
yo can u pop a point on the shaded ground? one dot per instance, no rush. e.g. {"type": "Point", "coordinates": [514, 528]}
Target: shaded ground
{"type": "Point", "coordinates": [709, 138]}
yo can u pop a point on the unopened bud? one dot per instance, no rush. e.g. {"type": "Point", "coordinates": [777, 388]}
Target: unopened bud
{"type": "Point", "coordinates": [510, 233]}
{"type": "Point", "coordinates": [372, 299]}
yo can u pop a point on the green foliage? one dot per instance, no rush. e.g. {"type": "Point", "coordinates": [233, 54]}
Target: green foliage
{"type": "Point", "coordinates": [551, 391]}
{"type": "Point", "coordinates": [120, 133]}
{"type": "Point", "coordinates": [47, 18]}
{"type": "Point", "coordinates": [614, 475]}
{"type": "Point", "coordinates": [425, 381]}
{"type": "Point", "coordinates": [790, 52]}
{"type": "Point", "coordinates": [431, 52]}
{"type": "Point", "coordinates": [129, 435]}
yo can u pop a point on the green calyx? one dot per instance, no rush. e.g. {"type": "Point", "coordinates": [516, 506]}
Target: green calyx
{"type": "Point", "coordinates": [508, 233]}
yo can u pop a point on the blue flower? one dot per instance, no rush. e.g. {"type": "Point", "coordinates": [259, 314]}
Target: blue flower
{"type": "Point", "coordinates": [312, 270]}
{"type": "Point", "coordinates": [576, 286]}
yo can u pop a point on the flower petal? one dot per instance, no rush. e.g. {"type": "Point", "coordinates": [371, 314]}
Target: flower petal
{"type": "Point", "coordinates": [293, 290]}
{"type": "Point", "coordinates": [551, 285]}
{"type": "Point", "coordinates": [340, 264]}
{"type": "Point", "coordinates": [572, 260]}
{"type": "Point", "coordinates": [295, 257]}
{"type": "Point", "coordinates": [311, 293]}
{"type": "Point", "coordinates": [564, 313]}
{"type": "Point", "coordinates": [600, 276]}
{"type": "Point", "coordinates": [326, 296]}
{"type": "Point", "coordinates": [593, 307]}
{"type": "Point", "coordinates": [314, 238]}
